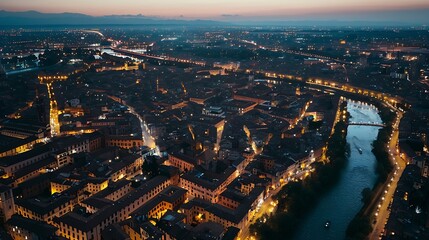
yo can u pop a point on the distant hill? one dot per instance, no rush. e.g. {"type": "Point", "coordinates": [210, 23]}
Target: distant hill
{"type": "Point", "coordinates": [405, 17]}
{"type": "Point", "coordinates": [32, 18]}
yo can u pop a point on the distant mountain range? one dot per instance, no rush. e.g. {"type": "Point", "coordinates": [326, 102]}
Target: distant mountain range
{"type": "Point", "coordinates": [410, 17]}
{"type": "Point", "coordinates": [32, 18]}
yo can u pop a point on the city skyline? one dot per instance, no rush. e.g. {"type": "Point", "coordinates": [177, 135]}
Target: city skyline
{"type": "Point", "coordinates": [214, 119]}
{"type": "Point", "coordinates": [414, 11]}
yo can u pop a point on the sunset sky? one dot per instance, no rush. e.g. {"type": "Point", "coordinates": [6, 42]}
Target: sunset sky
{"type": "Point", "coordinates": [216, 9]}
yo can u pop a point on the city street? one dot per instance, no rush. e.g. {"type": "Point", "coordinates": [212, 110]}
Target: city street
{"type": "Point", "coordinates": [53, 111]}
{"type": "Point", "coordinates": [267, 207]}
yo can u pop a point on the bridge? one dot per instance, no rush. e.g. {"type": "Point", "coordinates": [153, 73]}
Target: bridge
{"type": "Point", "coordinates": [160, 60]}
{"type": "Point", "coordinates": [367, 124]}
{"type": "Point", "coordinates": [92, 31]}
{"type": "Point", "coordinates": [388, 99]}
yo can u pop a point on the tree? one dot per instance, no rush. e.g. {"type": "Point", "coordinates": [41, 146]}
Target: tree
{"type": "Point", "coordinates": [150, 166]}
{"type": "Point", "coordinates": [50, 57]}
{"type": "Point", "coordinates": [366, 195]}
{"type": "Point", "coordinates": [359, 227]}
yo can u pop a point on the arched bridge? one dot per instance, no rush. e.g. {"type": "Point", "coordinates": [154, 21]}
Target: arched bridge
{"type": "Point", "coordinates": [367, 124]}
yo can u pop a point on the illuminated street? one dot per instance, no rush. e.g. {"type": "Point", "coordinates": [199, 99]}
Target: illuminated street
{"type": "Point", "coordinates": [147, 137]}
{"type": "Point", "coordinates": [53, 111]}
{"type": "Point", "coordinates": [382, 212]}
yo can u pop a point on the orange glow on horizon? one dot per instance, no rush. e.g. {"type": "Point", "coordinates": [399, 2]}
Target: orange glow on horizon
{"type": "Point", "coordinates": [211, 9]}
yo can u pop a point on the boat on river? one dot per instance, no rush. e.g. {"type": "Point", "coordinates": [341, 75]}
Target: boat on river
{"type": "Point", "coordinates": [327, 224]}
{"type": "Point", "coordinates": [358, 148]}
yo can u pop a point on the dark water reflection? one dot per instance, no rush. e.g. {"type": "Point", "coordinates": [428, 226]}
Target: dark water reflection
{"type": "Point", "coordinates": [342, 203]}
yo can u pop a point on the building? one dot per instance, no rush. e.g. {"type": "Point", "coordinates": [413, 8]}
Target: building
{"type": "Point", "coordinates": [64, 147]}
{"type": "Point", "coordinates": [75, 226]}
{"type": "Point", "coordinates": [114, 232]}
{"type": "Point", "coordinates": [207, 185]}
{"type": "Point", "coordinates": [169, 199]}
{"type": "Point", "coordinates": [183, 162]}
{"type": "Point", "coordinates": [117, 168]}
{"type": "Point", "coordinates": [231, 66]}
{"type": "Point", "coordinates": [114, 190]}
{"type": "Point", "coordinates": [21, 228]}
{"type": "Point", "coordinates": [34, 170]}
{"type": "Point", "coordinates": [7, 203]}
{"type": "Point", "coordinates": [45, 209]}
{"type": "Point", "coordinates": [22, 130]}
{"type": "Point", "coordinates": [142, 230]}
{"type": "Point", "coordinates": [237, 215]}
{"type": "Point", "coordinates": [126, 142]}
{"type": "Point", "coordinates": [36, 186]}
{"type": "Point", "coordinates": [10, 146]}
{"type": "Point", "coordinates": [11, 164]}
{"type": "Point", "coordinates": [240, 107]}
{"type": "Point", "coordinates": [214, 112]}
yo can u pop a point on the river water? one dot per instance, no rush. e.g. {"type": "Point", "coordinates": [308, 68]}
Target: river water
{"type": "Point", "coordinates": [343, 202]}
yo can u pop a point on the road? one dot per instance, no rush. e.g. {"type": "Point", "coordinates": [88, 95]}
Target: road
{"type": "Point", "coordinates": [53, 111]}
{"type": "Point", "coordinates": [267, 207]}
{"type": "Point", "coordinates": [383, 211]}
{"type": "Point", "coordinates": [148, 139]}
{"type": "Point", "coordinates": [295, 52]}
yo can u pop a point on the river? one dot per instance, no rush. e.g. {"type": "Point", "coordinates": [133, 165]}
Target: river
{"type": "Point", "coordinates": [22, 70]}
{"type": "Point", "coordinates": [343, 202]}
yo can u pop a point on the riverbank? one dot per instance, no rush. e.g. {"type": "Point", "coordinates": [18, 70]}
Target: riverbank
{"type": "Point", "coordinates": [297, 199]}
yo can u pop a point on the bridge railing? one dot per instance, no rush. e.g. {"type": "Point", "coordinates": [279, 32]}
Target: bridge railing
{"type": "Point", "coordinates": [367, 124]}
